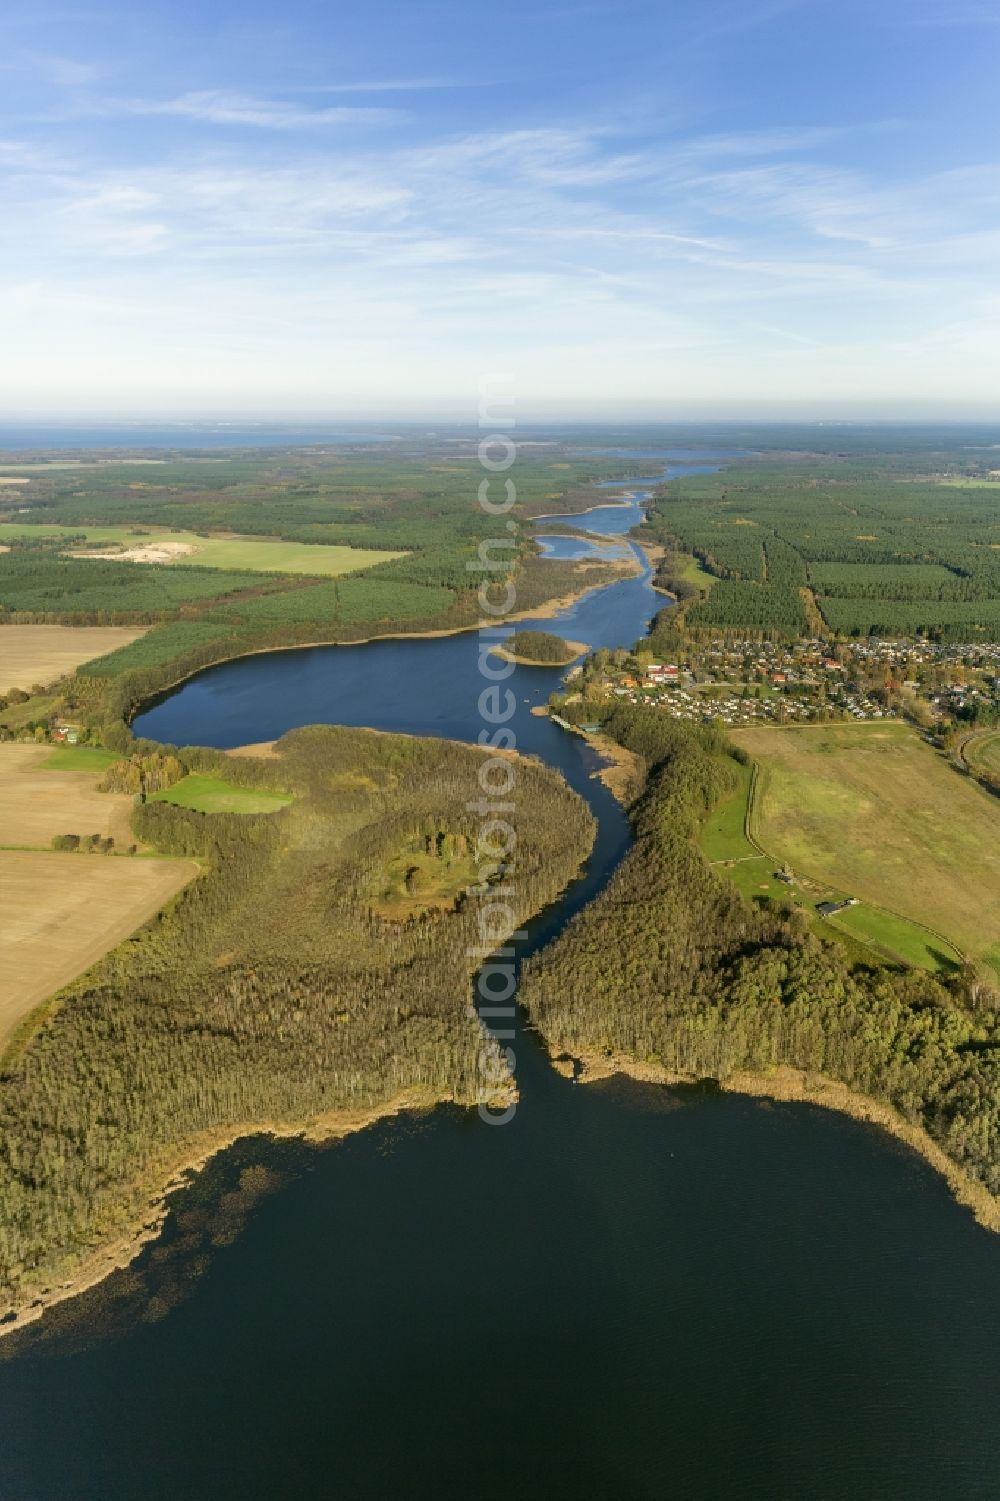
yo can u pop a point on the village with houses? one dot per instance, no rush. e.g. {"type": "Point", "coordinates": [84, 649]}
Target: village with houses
{"type": "Point", "coordinates": [744, 681]}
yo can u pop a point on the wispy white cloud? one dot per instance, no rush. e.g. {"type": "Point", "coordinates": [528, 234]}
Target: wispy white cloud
{"type": "Point", "coordinates": [778, 142]}
{"type": "Point", "coordinates": [47, 68]}
{"type": "Point", "coordinates": [224, 107]}
{"type": "Point", "coordinates": [550, 157]}
{"type": "Point", "coordinates": [387, 86]}
{"type": "Point", "coordinates": [713, 22]}
{"type": "Point", "coordinates": [26, 156]}
{"type": "Point", "coordinates": [341, 260]}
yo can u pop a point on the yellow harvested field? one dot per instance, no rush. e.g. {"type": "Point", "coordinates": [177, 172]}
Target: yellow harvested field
{"type": "Point", "coordinates": [41, 653]}
{"type": "Point", "coordinates": [37, 803]}
{"type": "Point", "coordinates": [59, 913]}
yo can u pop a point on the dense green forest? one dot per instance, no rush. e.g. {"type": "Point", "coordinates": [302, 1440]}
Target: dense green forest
{"type": "Point", "coordinates": [37, 584]}
{"type": "Point", "coordinates": [270, 991]}
{"type": "Point", "coordinates": [883, 549]}
{"type": "Point", "coordinates": [671, 964]}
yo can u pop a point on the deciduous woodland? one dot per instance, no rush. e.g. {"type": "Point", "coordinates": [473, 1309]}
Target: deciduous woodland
{"type": "Point", "coordinates": [671, 965]}
{"type": "Point", "coordinates": [271, 991]}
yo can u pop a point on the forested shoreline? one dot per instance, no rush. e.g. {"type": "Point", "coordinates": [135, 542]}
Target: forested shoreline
{"type": "Point", "coordinates": [269, 991]}
{"type": "Point", "coordinates": [671, 967]}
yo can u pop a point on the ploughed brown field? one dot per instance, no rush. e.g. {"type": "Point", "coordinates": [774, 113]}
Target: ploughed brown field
{"type": "Point", "coordinates": [59, 913]}
{"type": "Point", "coordinates": [41, 653]}
{"type": "Point", "coordinates": [38, 802]}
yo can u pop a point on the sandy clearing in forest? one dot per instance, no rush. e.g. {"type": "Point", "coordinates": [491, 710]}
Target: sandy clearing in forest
{"type": "Point", "coordinates": [163, 552]}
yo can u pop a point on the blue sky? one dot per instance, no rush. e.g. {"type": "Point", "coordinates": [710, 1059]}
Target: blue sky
{"type": "Point", "coordinates": [730, 207]}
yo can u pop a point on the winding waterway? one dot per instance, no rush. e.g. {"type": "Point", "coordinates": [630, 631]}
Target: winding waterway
{"type": "Point", "coordinates": [628, 1291]}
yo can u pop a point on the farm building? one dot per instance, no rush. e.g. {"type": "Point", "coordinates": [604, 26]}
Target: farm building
{"type": "Point", "coordinates": [827, 909]}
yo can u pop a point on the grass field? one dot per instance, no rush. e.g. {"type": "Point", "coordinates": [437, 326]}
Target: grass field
{"type": "Point", "coordinates": [870, 810]}
{"type": "Point", "coordinates": [895, 936]}
{"type": "Point", "coordinates": [724, 841]}
{"type": "Point", "coordinates": [723, 834]}
{"type": "Point", "coordinates": [45, 792]}
{"type": "Point", "coordinates": [213, 795]}
{"type": "Point", "coordinates": [78, 758]}
{"type": "Point", "coordinates": [254, 554]}
{"type": "Point", "coordinates": [39, 706]}
{"type": "Point", "coordinates": [59, 913]}
{"type": "Point", "coordinates": [983, 753]}
{"type": "Point", "coordinates": [41, 653]}
{"type": "Point", "coordinates": [694, 573]}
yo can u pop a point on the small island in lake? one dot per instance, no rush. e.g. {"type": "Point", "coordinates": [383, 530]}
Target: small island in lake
{"type": "Point", "coordinates": [540, 649]}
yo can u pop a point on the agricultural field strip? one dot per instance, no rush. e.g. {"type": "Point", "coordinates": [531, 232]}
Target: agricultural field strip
{"type": "Point", "coordinates": [928, 824]}
{"type": "Point", "coordinates": [39, 802]}
{"type": "Point", "coordinates": [912, 949]}
{"type": "Point", "coordinates": [729, 841]}
{"type": "Point", "coordinates": [32, 654]}
{"type": "Point", "coordinates": [60, 913]}
{"type": "Point", "coordinates": [252, 554]}
{"type": "Point", "coordinates": [981, 752]}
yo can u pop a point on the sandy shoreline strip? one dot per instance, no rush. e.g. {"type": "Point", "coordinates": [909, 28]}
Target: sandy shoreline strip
{"type": "Point", "coordinates": [625, 774]}
{"type": "Point", "coordinates": [174, 1170]}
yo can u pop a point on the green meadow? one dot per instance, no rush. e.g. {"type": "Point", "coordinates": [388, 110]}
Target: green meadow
{"type": "Point", "coordinates": [207, 794]}
{"type": "Point", "coordinates": [250, 554]}
{"type": "Point", "coordinates": [872, 811]}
